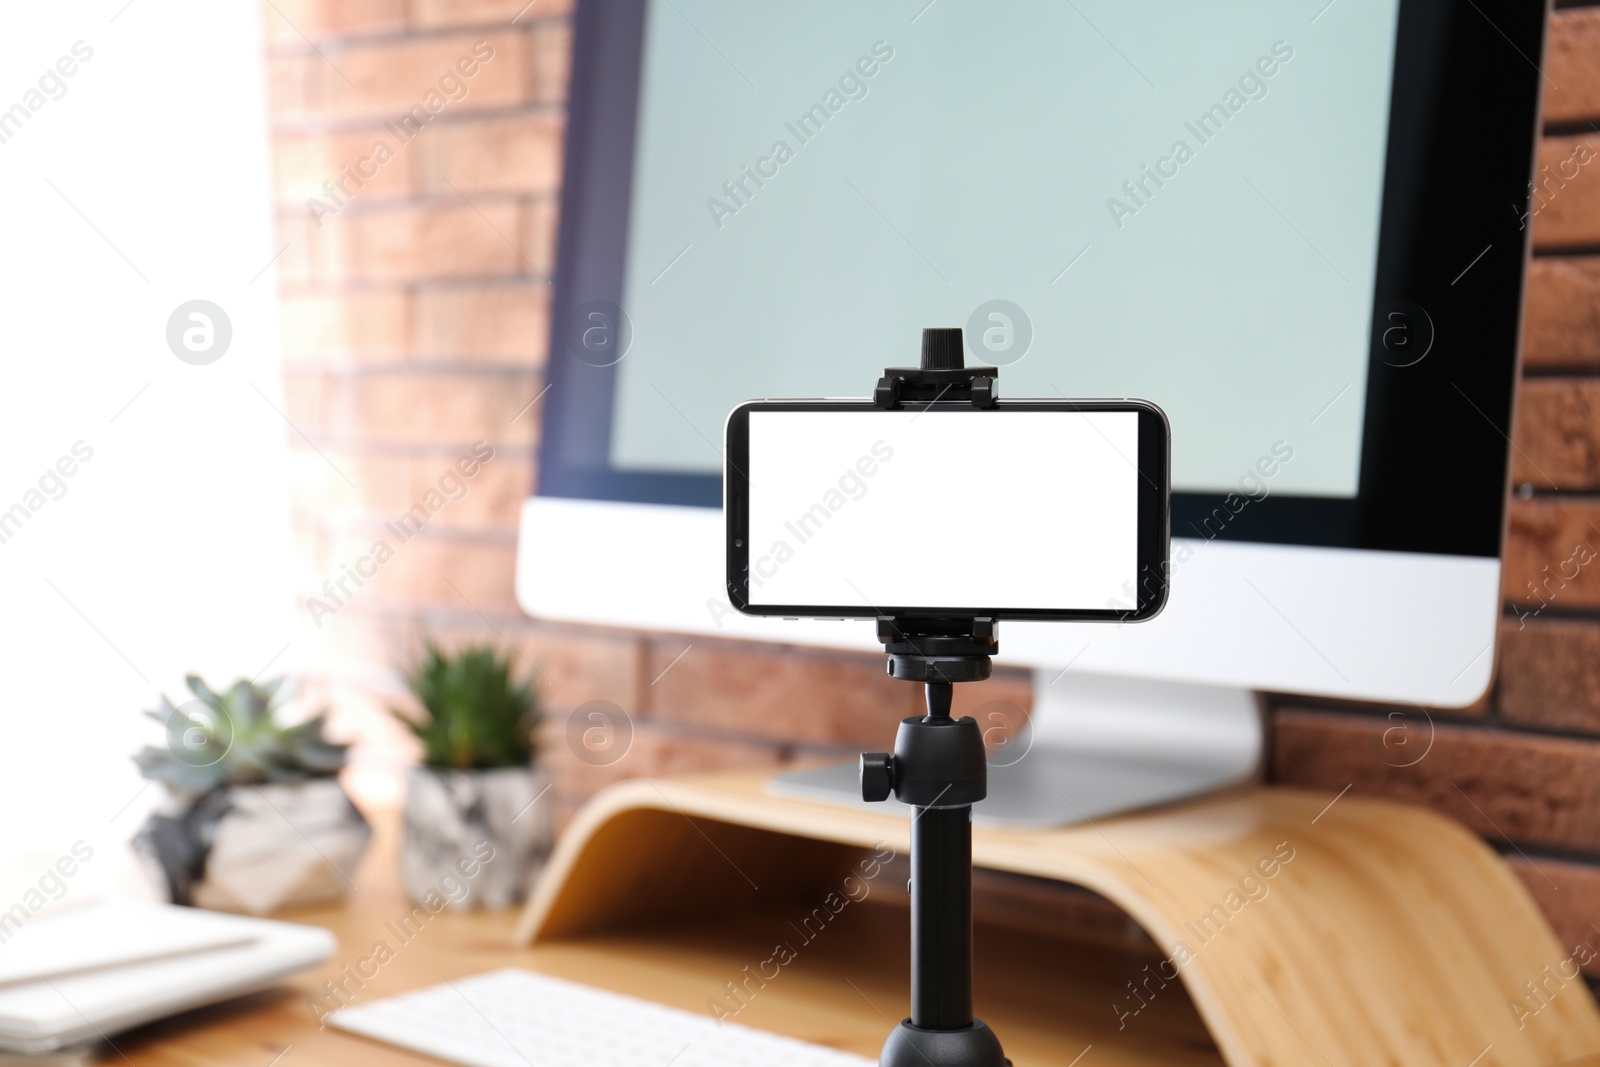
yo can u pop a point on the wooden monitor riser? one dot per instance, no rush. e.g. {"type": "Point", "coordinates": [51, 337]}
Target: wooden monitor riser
{"type": "Point", "coordinates": [1295, 927]}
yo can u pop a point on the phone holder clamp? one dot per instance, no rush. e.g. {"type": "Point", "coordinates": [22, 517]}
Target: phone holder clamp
{"type": "Point", "coordinates": [943, 376]}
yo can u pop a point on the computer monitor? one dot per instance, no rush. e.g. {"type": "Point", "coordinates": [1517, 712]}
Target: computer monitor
{"type": "Point", "coordinates": [1300, 229]}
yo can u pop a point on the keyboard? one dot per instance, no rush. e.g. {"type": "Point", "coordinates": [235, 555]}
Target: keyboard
{"type": "Point", "coordinates": [515, 1018]}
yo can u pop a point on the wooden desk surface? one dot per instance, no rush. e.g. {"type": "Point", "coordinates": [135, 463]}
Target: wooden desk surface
{"type": "Point", "coordinates": [682, 967]}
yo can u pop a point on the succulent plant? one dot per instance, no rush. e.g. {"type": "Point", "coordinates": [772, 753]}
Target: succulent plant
{"type": "Point", "coordinates": [235, 738]}
{"type": "Point", "coordinates": [475, 715]}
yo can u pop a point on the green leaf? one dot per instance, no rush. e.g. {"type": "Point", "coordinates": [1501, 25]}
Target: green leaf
{"type": "Point", "coordinates": [159, 765]}
{"type": "Point", "coordinates": [201, 690]}
{"type": "Point", "coordinates": [241, 742]}
{"type": "Point", "coordinates": [474, 714]}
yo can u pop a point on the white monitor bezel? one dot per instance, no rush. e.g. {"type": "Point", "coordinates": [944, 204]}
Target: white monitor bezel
{"type": "Point", "coordinates": [1382, 626]}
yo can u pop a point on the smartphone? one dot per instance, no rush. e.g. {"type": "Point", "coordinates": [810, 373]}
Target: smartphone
{"type": "Point", "coordinates": [1028, 509]}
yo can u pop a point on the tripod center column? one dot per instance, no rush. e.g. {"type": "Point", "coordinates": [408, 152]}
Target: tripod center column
{"type": "Point", "coordinates": [941, 918]}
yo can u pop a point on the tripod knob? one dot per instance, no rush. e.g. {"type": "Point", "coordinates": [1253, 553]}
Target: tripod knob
{"type": "Point", "coordinates": [942, 348]}
{"type": "Point", "coordinates": [877, 776]}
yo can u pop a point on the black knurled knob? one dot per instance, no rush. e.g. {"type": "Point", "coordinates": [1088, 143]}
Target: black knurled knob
{"type": "Point", "coordinates": [877, 776]}
{"type": "Point", "coordinates": [942, 349]}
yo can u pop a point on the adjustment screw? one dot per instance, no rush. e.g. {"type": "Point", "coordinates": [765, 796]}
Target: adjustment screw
{"type": "Point", "coordinates": [942, 348]}
{"type": "Point", "coordinates": [877, 776]}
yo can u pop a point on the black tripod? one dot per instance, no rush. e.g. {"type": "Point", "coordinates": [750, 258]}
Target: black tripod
{"type": "Point", "coordinates": [939, 767]}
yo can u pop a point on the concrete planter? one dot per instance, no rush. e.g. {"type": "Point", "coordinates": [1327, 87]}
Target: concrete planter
{"type": "Point", "coordinates": [256, 848]}
{"type": "Point", "coordinates": [475, 838]}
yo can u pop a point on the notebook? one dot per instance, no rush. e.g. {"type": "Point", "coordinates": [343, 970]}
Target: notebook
{"type": "Point", "coordinates": [84, 973]}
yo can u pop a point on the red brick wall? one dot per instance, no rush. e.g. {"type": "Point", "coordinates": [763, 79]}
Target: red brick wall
{"type": "Point", "coordinates": [415, 325]}
{"type": "Point", "coordinates": [414, 321]}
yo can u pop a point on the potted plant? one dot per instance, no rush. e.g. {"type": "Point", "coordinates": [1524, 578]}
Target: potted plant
{"type": "Point", "coordinates": [472, 809]}
{"type": "Point", "coordinates": [253, 818]}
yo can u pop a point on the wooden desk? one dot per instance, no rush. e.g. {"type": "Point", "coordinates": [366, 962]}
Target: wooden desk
{"type": "Point", "coordinates": [1048, 999]}
{"type": "Point", "coordinates": [683, 966]}
{"type": "Point", "coordinates": [1393, 937]}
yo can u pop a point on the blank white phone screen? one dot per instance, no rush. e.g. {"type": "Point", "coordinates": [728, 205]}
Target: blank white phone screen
{"type": "Point", "coordinates": [944, 509]}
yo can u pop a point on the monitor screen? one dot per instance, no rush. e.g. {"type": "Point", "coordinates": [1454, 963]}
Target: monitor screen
{"type": "Point", "coordinates": [1149, 223]}
{"type": "Point", "coordinates": [1249, 214]}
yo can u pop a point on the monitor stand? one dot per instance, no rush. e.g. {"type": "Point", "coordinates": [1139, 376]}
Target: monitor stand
{"type": "Point", "coordinates": [1099, 745]}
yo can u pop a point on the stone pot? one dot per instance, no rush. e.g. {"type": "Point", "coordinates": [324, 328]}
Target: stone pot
{"type": "Point", "coordinates": [475, 838]}
{"type": "Point", "coordinates": [256, 848]}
